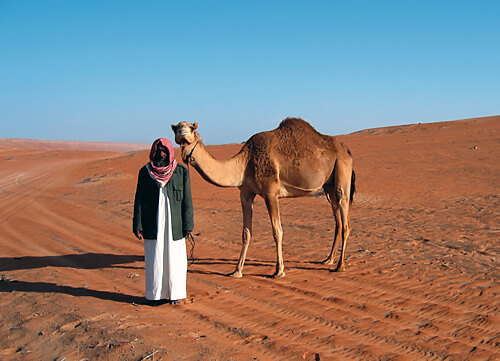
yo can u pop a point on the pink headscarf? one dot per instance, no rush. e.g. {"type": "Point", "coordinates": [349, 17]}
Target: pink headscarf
{"type": "Point", "coordinates": [162, 174]}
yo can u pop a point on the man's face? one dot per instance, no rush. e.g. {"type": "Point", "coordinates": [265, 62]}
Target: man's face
{"type": "Point", "coordinates": [161, 158]}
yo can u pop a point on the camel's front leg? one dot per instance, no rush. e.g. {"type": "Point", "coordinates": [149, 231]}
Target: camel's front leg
{"type": "Point", "coordinates": [274, 214]}
{"type": "Point", "coordinates": [247, 207]}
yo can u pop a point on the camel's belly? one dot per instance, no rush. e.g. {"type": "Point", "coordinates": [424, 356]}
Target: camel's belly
{"type": "Point", "coordinates": [290, 191]}
{"type": "Point", "coordinates": [301, 183]}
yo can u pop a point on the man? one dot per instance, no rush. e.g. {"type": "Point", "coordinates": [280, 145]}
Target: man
{"type": "Point", "coordinates": [163, 218]}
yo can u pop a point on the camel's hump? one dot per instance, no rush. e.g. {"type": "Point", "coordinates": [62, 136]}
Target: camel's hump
{"type": "Point", "coordinates": [295, 124]}
{"type": "Point", "coordinates": [290, 130]}
{"type": "Point", "coordinates": [298, 127]}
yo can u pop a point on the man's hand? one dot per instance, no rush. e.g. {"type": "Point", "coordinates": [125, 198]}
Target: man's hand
{"type": "Point", "coordinates": [138, 234]}
{"type": "Point", "coordinates": [188, 235]}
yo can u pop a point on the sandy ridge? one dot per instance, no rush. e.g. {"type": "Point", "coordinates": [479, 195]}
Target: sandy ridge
{"type": "Point", "coordinates": [19, 143]}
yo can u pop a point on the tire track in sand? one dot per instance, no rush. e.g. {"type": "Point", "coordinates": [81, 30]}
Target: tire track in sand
{"type": "Point", "coordinates": [298, 323]}
{"type": "Point", "coordinates": [380, 307]}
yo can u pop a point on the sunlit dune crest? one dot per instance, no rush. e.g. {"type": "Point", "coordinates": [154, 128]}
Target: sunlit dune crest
{"type": "Point", "coordinates": [17, 143]}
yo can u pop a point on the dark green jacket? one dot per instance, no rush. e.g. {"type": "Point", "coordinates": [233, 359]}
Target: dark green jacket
{"type": "Point", "coordinates": [146, 203]}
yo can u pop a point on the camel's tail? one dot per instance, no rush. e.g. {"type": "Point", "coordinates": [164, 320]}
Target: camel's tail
{"type": "Point", "coordinates": [353, 186]}
{"type": "Point", "coordinates": [353, 177]}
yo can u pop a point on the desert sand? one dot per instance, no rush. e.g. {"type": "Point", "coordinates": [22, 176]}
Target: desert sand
{"type": "Point", "coordinates": [422, 278]}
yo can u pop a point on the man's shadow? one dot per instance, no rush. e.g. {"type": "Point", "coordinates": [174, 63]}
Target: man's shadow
{"type": "Point", "coordinates": [79, 261]}
{"type": "Point", "coordinates": [46, 287]}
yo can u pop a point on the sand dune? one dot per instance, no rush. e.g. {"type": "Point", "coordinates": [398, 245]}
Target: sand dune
{"type": "Point", "coordinates": [422, 261]}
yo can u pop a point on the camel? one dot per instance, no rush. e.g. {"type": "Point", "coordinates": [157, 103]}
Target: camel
{"type": "Point", "coordinates": [293, 160]}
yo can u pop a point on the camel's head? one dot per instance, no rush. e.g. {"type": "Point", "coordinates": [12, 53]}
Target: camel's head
{"type": "Point", "coordinates": [185, 132]}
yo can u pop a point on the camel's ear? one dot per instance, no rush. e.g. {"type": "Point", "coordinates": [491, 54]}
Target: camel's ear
{"type": "Point", "coordinates": [195, 126]}
{"type": "Point", "coordinates": [174, 127]}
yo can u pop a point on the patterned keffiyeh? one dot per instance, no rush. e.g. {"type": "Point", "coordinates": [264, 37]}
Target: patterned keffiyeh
{"type": "Point", "coordinates": [162, 174]}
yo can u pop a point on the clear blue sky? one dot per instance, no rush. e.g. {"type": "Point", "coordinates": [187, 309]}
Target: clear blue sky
{"type": "Point", "coordinates": [125, 70]}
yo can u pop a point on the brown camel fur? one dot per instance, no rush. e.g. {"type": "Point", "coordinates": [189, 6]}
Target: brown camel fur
{"type": "Point", "coordinates": [292, 160]}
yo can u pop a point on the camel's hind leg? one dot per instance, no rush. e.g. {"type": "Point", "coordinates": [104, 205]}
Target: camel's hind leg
{"type": "Point", "coordinates": [346, 230]}
{"type": "Point", "coordinates": [343, 176]}
{"type": "Point", "coordinates": [338, 229]}
{"type": "Point", "coordinates": [247, 201]}
{"type": "Point", "coordinates": [338, 195]}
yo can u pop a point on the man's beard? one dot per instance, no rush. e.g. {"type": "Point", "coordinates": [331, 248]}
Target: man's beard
{"type": "Point", "coordinates": [160, 162]}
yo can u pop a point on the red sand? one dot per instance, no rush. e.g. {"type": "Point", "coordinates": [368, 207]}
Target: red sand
{"type": "Point", "coordinates": [422, 261]}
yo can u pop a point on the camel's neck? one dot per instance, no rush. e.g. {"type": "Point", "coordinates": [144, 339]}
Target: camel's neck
{"type": "Point", "coordinates": [222, 173]}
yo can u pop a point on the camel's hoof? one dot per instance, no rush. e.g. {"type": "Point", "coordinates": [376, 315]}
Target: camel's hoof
{"type": "Point", "coordinates": [327, 261]}
{"type": "Point", "coordinates": [278, 275]}
{"type": "Point", "coordinates": [235, 274]}
{"type": "Point", "coordinates": [340, 269]}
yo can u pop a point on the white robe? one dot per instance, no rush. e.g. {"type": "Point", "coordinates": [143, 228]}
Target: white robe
{"type": "Point", "coordinates": [165, 259]}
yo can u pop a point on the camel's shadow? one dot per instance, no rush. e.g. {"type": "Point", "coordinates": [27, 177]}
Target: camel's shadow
{"type": "Point", "coordinates": [268, 265]}
{"type": "Point", "coordinates": [98, 260]}
{"type": "Point", "coordinates": [80, 261]}
{"type": "Point", "coordinates": [223, 261]}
